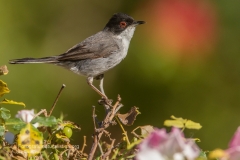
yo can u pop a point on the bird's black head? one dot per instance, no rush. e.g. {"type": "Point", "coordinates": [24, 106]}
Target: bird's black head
{"type": "Point", "coordinates": [119, 22]}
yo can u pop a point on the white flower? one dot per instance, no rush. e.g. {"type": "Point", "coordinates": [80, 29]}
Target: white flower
{"type": "Point", "coordinates": [26, 116]}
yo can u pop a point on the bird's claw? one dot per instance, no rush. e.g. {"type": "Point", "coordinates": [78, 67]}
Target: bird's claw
{"type": "Point", "coordinates": [105, 100]}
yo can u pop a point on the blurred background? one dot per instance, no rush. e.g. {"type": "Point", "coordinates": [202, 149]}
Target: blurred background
{"type": "Point", "coordinates": [185, 61]}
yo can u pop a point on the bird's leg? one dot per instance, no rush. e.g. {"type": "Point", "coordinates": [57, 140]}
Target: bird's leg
{"type": "Point", "coordinates": [90, 81]}
{"type": "Point", "coordinates": [101, 77]}
{"type": "Point", "coordinates": [101, 86]}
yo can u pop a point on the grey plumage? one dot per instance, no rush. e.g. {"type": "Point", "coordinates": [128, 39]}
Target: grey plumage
{"type": "Point", "coordinates": [97, 53]}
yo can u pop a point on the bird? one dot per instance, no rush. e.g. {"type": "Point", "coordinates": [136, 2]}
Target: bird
{"type": "Point", "coordinates": [96, 54]}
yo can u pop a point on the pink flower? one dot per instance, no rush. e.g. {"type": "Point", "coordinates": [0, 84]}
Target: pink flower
{"type": "Point", "coordinates": [160, 145]}
{"type": "Point", "coordinates": [233, 151]}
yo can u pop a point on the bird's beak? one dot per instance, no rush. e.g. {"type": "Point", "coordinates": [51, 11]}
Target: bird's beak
{"type": "Point", "coordinates": [138, 22]}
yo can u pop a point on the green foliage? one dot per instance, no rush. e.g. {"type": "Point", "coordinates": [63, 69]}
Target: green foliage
{"type": "Point", "coordinates": [16, 123]}
{"type": "Point", "coordinates": [2, 130]}
{"type": "Point", "coordinates": [202, 156]}
{"type": "Point", "coordinates": [6, 101]}
{"type": "Point", "coordinates": [182, 123]}
{"type": "Point", "coordinates": [4, 113]}
{"type": "Point", "coordinates": [58, 132]}
{"type": "Point", "coordinates": [3, 88]}
{"type": "Point", "coordinates": [45, 121]}
{"type": "Point", "coordinates": [49, 137]}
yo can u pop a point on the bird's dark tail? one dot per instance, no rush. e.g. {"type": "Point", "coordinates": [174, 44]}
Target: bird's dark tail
{"type": "Point", "coordinates": [34, 60]}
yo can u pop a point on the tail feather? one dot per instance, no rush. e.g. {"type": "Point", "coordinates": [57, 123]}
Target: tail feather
{"type": "Point", "coordinates": [34, 60]}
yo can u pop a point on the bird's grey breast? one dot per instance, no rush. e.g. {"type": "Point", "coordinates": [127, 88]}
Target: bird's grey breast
{"type": "Point", "coordinates": [123, 40]}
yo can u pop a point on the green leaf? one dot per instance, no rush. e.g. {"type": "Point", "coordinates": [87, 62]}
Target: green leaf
{"type": "Point", "coordinates": [202, 155]}
{"type": "Point", "coordinates": [180, 119]}
{"type": "Point", "coordinates": [62, 137]}
{"type": "Point", "coordinates": [182, 123]}
{"type": "Point", "coordinates": [174, 123]}
{"type": "Point", "coordinates": [2, 130]}
{"type": "Point", "coordinates": [45, 121]}
{"type": "Point", "coordinates": [6, 101]}
{"type": "Point", "coordinates": [3, 88]}
{"type": "Point", "coordinates": [4, 109]}
{"type": "Point", "coordinates": [17, 123]}
{"type": "Point", "coordinates": [18, 127]}
{"type": "Point", "coordinates": [5, 113]}
{"type": "Point", "coordinates": [69, 124]}
{"type": "Point", "coordinates": [192, 125]}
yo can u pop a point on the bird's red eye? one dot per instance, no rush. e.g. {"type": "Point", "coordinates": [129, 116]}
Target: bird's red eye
{"type": "Point", "coordinates": [123, 24]}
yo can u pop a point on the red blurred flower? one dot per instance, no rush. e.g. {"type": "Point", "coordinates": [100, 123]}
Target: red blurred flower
{"type": "Point", "coordinates": [183, 27]}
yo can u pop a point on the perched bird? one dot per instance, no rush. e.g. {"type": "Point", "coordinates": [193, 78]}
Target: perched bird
{"type": "Point", "coordinates": [97, 53]}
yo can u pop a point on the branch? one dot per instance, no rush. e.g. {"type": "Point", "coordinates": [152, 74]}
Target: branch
{"type": "Point", "coordinates": [109, 150]}
{"type": "Point", "coordinates": [98, 132]}
{"type": "Point", "coordinates": [55, 102]}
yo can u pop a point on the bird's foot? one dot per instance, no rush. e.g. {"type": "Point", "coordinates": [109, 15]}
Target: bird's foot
{"type": "Point", "coordinates": [105, 101]}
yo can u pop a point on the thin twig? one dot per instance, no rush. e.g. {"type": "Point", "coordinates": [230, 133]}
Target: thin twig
{"type": "Point", "coordinates": [107, 134]}
{"type": "Point", "coordinates": [105, 124]}
{"type": "Point", "coordinates": [118, 101]}
{"type": "Point", "coordinates": [100, 148]}
{"type": "Point", "coordinates": [96, 139]}
{"type": "Point", "coordinates": [124, 132]}
{"type": "Point", "coordinates": [119, 107]}
{"type": "Point", "coordinates": [96, 136]}
{"type": "Point", "coordinates": [84, 144]}
{"type": "Point", "coordinates": [135, 134]}
{"type": "Point", "coordinates": [68, 154]}
{"type": "Point", "coordinates": [113, 111]}
{"type": "Point", "coordinates": [94, 120]}
{"type": "Point", "coordinates": [44, 111]}
{"type": "Point", "coordinates": [111, 114]}
{"type": "Point", "coordinates": [55, 102]}
{"type": "Point", "coordinates": [115, 153]}
{"type": "Point", "coordinates": [109, 150]}
{"type": "Point", "coordinates": [61, 154]}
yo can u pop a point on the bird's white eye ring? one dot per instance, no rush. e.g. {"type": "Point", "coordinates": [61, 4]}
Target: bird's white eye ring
{"type": "Point", "coordinates": [123, 24]}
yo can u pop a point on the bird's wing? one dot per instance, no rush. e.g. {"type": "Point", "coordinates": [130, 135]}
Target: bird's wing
{"type": "Point", "coordinates": [98, 45]}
